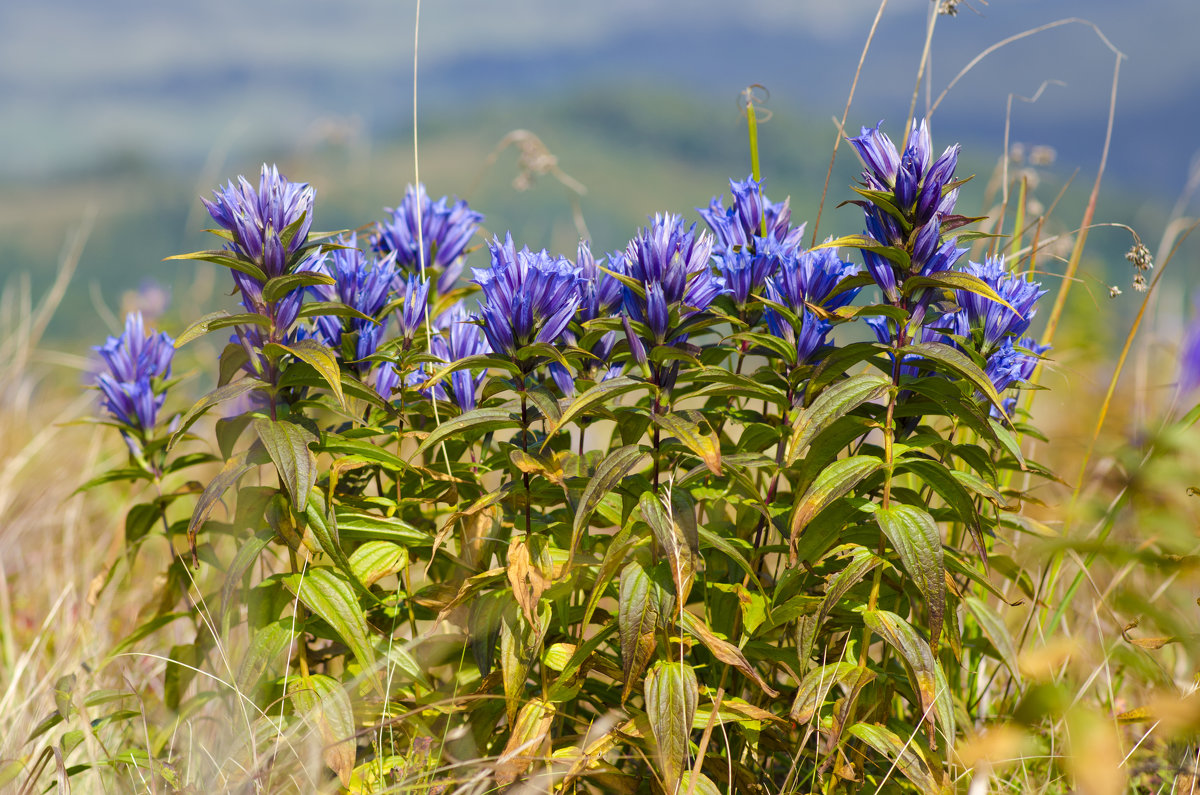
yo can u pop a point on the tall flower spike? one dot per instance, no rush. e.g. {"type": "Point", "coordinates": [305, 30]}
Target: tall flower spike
{"type": "Point", "coordinates": [133, 359]}
{"type": "Point", "coordinates": [527, 297]}
{"type": "Point", "coordinates": [445, 228]}
{"type": "Point", "coordinates": [676, 259]}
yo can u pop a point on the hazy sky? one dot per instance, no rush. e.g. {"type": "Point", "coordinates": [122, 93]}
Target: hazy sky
{"type": "Point", "coordinates": [81, 80]}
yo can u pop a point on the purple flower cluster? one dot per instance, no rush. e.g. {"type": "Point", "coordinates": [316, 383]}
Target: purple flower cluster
{"type": "Point", "coordinates": [528, 297]}
{"type": "Point", "coordinates": [362, 284]}
{"type": "Point", "coordinates": [805, 279]}
{"type": "Point", "coordinates": [135, 360]}
{"type": "Point", "coordinates": [922, 192]}
{"type": "Point", "coordinates": [428, 235]}
{"type": "Point", "coordinates": [267, 228]}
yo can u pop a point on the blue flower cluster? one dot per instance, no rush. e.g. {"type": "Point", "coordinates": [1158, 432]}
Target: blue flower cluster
{"type": "Point", "coordinates": [662, 285]}
{"type": "Point", "coordinates": [922, 191]}
{"type": "Point", "coordinates": [135, 361]}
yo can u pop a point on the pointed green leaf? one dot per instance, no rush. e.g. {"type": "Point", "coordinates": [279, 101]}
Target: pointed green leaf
{"type": "Point", "coordinates": [904, 755]}
{"type": "Point", "coordinates": [672, 540]}
{"type": "Point", "coordinates": [600, 393]}
{"type": "Point", "coordinates": [950, 488]}
{"type": "Point", "coordinates": [685, 426]}
{"type": "Point", "coordinates": [477, 421]}
{"type": "Point", "coordinates": [222, 257]}
{"type": "Point", "coordinates": [954, 280]}
{"type": "Point", "coordinates": [944, 357]}
{"type": "Point", "coordinates": [220, 395]}
{"type": "Point", "coordinates": [637, 618]}
{"type": "Point", "coordinates": [215, 321]}
{"type": "Point", "coordinates": [832, 404]}
{"type": "Point", "coordinates": [813, 689]}
{"type": "Point", "coordinates": [723, 650]}
{"type": "Point", "coordinates": [324, 702]}
{"type": "Point", "coordinates": [672, 696]}
{"type": "Point", "coordinates": [287, 444]}
{"type": "Point", "coordinates": [918, 657]}
{"type": "Point", "coordinates": [375, 560]}
{"type": "Point", "coordinates": [328, 594]}
{"type": "Point", "coordinates": [916, 538]}
{"type": "Point", "coordinates": [834, 482]}
{"type": "Point", "coordinates": [609, 473]}
{"type": "Point", "coordinates": [279, 286]}
{"type": "Point", "coordinates": [320, 358]}
{"type": "Point", "coordinates": [211, 496]}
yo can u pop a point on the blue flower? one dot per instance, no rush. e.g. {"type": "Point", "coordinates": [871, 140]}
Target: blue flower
{"type": "Point", "coordinates": [1011, 365]}
{"type": "Point", "coordinates": [672, 262]}
{"type": "Point", "coordinates": [918, 184]}
{"type": "Point", "coordinates": [361, 284]}
{"type": "Point", "coordinates": [808, 278]}
{"type": "Point", "coordinates": [921, 189]}
{"type": "Point", "coordinates": [268, 227]}
{"type": "Point", "coordinates": [992, 319]}
{"type": "Point", "coordinates": [462, 340]}
{"type": "Point", "coordinates": [600, 297]}
{"type": "Point", "coordinates": [527, 297]}
{"type": "Point", "coordinates": [746, 219]}
{"type": "Point", "coordinates": [134, 360]}
{"type": "Point", "coordinates": [445, 230]}
{"type": "Point", "coordinates": [746, 271]}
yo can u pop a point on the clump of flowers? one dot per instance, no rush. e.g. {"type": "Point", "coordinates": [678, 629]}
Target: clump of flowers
{"type": "Point", "coordinates": [428, 235]}
{"type": "Point", "coordinates": [528, 297]}
{"type": "Point", "coordinates": [137, 361]}
{"type": "Point", "coordinates": [909, 203]}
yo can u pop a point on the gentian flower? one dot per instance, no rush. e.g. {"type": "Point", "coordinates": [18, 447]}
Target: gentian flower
{"type": "Point", "coordinates": [744, 221]}
{"type": "Point", "coordinates": [746, 271]}
{"type": "Point", "coordinates": [808, 278]}
{"type": "Point", "coordinates": [1011, 365]}
{"type": "Point", "coordinates": [134, 360]}
{"type": "Point", "coordinates": [993, 320]}
{"type": "Point", "coordinates": [600, 297]}
{"type": "Point", "coordinates": [361, 284]}
{"type": "Point", "coordinates": [527, 297]}
{"type": "Point", "coordinates": [268, 227]}
{"type": "Point", "coordinates": [462, 339]}
{"type": "Point", "coordinates": [920, 188]}
{"type": "Point", "coordinates": [672, 262]}
{"type": "Point", "coordinates": [445, 231]}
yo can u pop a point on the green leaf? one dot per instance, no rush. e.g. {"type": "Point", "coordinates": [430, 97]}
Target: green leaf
{"type": "Point", "coordinates": [328, 594]}
{"type": "Point", "coordinates": [901, 636]}
{"type": "Point", "coordinates": [332, 309]}
{"type": "Point", "coordinates": [831, 405]}
{"type": "Point", "coordinates": [279, 286]}
{"type": "Point", "coordinates": [862, 562]}
{"type": "Point", "coordinates": [287, 444]}
{"type": "Point", "coordinates": [958, 363]}
{"type": "Point", "coordinates": [949, 487]}
{"type": "Point", "coordinates": [637, 617]}
{"type": "Point", "coordinates": [834, 482]}
{"type": "Point", "coordinates": [220, 395]}
{"type": "Point", "coordinates": [685, 426]}
{"type": "Point", "coordinates": [904, 755]}
{"type": "Point", "coordinates": [672, 696]}
{"type": "Point", "coordinates": [894, 254]}
{"type": "Point", "coordinates": [479, 420]}
{"type": "Point", "coordinates": [672, 540]}
{"type": "Point", "coordinates": [995, 631]}
{"type": "Point", "coordinates": [726, 546]}
{"type": "Point", "coordinates": [600, 393]}
{"type": "Point", "coordinates": [246, 555]}
{"type": "Point", "coordinates": [724, 651]}
{"type": "Point", "coordinates": [215, 321]}
{"type": "Point", "coordinates": [222, 257]}
{"type": "Point", "coordinates": [813, 689]}
{"type": "Point", "coordinates": [230, 474]}
{"type": "Point", "coordinates": [317, 356]}
{"type": "Point", "coordinates": [609, 473]}
{"type": "Point", "coordinates": [916, 538]}
{"type": "Point", "coordinates": [375, 560]}
{"type": "Point", "coordinates": [324, 702]}
{"type": "Point", "coordinates": [618, 550]}
{"type": "Point", "coordinates": [954, 280]}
